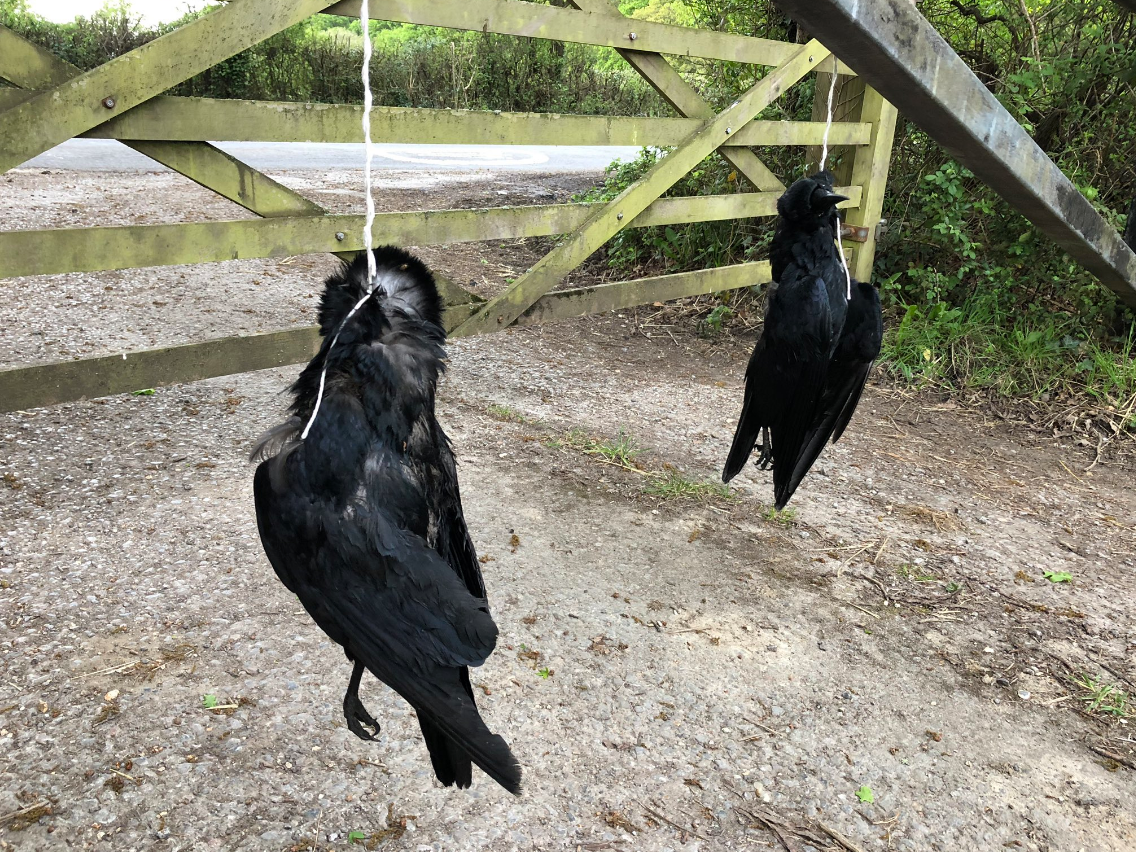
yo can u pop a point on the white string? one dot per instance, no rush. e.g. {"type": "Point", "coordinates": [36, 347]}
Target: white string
{"type": "Point", "coordinates": [828, 126]}
{"type": "Point", "coordinates": [369, 219]}
{"type": "Point", "coordinates": [823, 160]}
{"type": "Point", "coordinates": [843, 260]}
{"type": "Point", "coordinates": [369, 153]}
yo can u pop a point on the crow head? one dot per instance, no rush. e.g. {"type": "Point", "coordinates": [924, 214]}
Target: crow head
{"type": "Point", "coordinates": [810, 202]}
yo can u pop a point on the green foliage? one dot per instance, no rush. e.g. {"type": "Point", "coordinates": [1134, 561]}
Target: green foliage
{"type": "Point", "coordinates": [976, 297]}
{"type": "Point", "coordinates": [670, 484]}
{"type": "Point", "coordinates": [321, 60]}
{"type": "Point", "coordinates": [1058, 576]}
{"type": "Point", "coordinates": [784, 517]}
{"type": "Point", "coordinates": [691, 246]}
{"type": "Point", "coordinates": [865, 795]}
{"type": "Point", "coordinates": [1103, 698]}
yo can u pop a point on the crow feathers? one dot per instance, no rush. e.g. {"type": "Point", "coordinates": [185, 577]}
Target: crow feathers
{"type": "Point", "coordinates": [807, 372]}
{"type": "Point", "coordinates": [362, 520]}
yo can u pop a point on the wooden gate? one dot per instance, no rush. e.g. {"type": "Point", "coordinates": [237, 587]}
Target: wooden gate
{"type": "Point", "coordinates": [53, 102]}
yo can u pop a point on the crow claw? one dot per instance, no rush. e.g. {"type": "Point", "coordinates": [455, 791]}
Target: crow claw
{"type": "Point", "coordinates": [765, 458]}
{"type": "Point", "coordinates": [358, 717]}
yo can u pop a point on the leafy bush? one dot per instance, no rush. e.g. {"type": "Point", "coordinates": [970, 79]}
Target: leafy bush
{"type": "Point", "coordinates": [321, 60]}
{"type": "Point", "coordinates": [976, 296]}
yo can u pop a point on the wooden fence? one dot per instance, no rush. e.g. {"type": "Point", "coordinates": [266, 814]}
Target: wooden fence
{"type": "Point", "coordinates": [53, 102]}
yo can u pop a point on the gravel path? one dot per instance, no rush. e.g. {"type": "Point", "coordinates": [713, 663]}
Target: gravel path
{"type": "Point", "coordinates": [674, 674]}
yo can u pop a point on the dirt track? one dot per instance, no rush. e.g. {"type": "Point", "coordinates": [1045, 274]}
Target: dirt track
{"type": "Point", "coordinates": [673, 673]}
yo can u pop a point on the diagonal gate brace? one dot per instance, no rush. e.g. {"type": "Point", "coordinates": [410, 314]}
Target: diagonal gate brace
{"type": "Point", "coordinates": [95, 96]}
{"type": "Point", "coordinates": [28, 65]}
{"type": "Point", "coordinates": [686, 101]}
{"type": "Point", "coordinates": [609, 219]}
{"type": "Point", "coordinates": [31, 66]}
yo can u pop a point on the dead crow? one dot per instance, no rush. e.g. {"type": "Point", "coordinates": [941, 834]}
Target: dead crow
{"type": "Point", "coordinates": [362, 520]}
{"type": "Point", "coordinates": [806, 373]}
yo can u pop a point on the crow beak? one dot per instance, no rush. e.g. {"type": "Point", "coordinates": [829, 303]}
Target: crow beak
{"type": "Point", "coordinates": [823, 199]}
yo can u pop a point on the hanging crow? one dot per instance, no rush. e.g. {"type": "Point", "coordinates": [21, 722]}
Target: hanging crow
{"type": "Point", "coordinates": [808, 369]}
{"type": "Point", "coordinates": [362, 520]}
{"type": "Point", "coordinates": [856, 352]}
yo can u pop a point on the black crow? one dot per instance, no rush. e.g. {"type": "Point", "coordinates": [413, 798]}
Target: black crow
{"type": "Point", "coordinates": [360, 514]}
{"type": "Point", "coordinates": [1130, 228]}
{"type": "Point", "coordinates": [856, 352]}
{"type": "Point", "coordinates": [788, 383]}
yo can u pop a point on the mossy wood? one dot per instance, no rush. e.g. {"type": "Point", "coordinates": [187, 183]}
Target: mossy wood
{"type": "Point", "coordinates": [606, 222]}
{"type": "Point", "coordinates": [61, 250]}
{"type": "Point", "coordinates": [52, 101]}
{"type": "Point", "coordinates": [49, 384]}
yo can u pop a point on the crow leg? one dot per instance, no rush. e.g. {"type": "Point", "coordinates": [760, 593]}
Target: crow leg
{"type": "Point", "coordinates": [354, 711]}
{"type": "Point", "coordinates": [765, 457]}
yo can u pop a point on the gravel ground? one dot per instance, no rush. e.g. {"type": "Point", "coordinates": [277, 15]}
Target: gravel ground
{"type": "Point", "coordinates": [674, 674]}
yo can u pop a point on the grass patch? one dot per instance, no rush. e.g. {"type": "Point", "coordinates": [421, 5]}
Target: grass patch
{"type": "Point", "coordinates": [785, 517]}
{"type": "Point", "coordinates": [506, 414]}
{"type": "Point", "coordinates": [620, 451]}
{"type": "Point", "coordinates": [915, 573]}
{"type": "Point", "coordinates": [979, 347]}
{"type": "Point", "coordinates": [624, 451]}
{"type": "Point", "coordinates": [1103, 699]}
{"type": "Point", "coordinates": [670, 484]}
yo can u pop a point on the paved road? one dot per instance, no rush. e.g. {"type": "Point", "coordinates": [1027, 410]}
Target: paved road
{"type": "Point", "coordinates": [109, 155]}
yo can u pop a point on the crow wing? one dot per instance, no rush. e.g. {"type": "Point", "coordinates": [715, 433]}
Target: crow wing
{"type": "Point", "coordinates": [756, 405]}
{"type": "Point", "coordinates": [392, 602]}
{"type": "Point", "coordinates": [856, 353]}
{"type": "Point", "coordinates": [785, 377]}
{"type": "Point", "coordinates": [453, 541]}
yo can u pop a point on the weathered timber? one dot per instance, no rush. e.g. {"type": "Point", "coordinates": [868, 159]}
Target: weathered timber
{"type": "Point", "coordinates": [50, 384]}
{"type": "Point", "coordinates": [62, 250]}
{"type": "Point", "coordinates": [176, 119]}
{"type": "Point", "coordinates": [564, 304]}
{"type": "Point", "coordinates": [85, 101]}
{"type": "Point", "coordinates": [201, 162]}
{"type": "Point", "coordinates": [672, 88]}
{"type": "Point", "coordinates": [511, 17]}
{"type": "Point", "coordinates": [847, 100]}
{"type": "Point", "coordinates": [899, 53]}
{"type": "Point", "coordinates": [605, 222]}
{"type": "Point", "coordinates": [870, 165]}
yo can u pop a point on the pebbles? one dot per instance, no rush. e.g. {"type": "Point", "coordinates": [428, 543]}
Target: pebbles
{"type": "Point", "coordinates": [136, 582]}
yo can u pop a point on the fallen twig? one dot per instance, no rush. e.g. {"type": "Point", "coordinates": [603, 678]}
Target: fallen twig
{"type": "Point", "coordinates": [865, 611]}
{"type": "Point", "coordinates": [23, 812]}
{"type": "Point", "coordinates": [656, 815]}
{"type": "Point", "coordinates": [1113, 755]}
{"type": "Point", "coordinates": [839, 838]}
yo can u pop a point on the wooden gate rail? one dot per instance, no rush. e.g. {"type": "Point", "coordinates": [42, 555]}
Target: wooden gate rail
{"type": "Point", "coordinates": [123, 100]}
{"type": "Point", "coordinates": [605, 222]}
{"type": "Point", "coordinates": [513, 17]}
{"type": "Point", "coordinates": [62, 250]}
{"type": "Point", "coordinates": [65, 381]}
{"type": "Point", "coordinates": [179, 119]}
